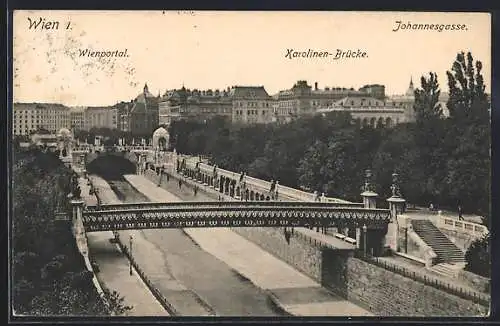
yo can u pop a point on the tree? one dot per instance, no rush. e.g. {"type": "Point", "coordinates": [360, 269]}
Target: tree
{"type": "Point", "coordinates": [468, 167]}
{"type": "Point", "coordinates": [478, 257]}
{"type": "Point", "coordinates": [426, 104]}
{"type": "Point", "coordinates": [468, 102]}
{"type": "Point", "coordinates": [49, 275]}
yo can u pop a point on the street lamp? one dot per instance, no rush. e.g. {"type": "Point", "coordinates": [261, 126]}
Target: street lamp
{"type": "Point", "coordinates": [130, 252]}
{"type": "Point", "coordinates": [406, 239]}
{"type": "Point", "coordinates": [364, 238]}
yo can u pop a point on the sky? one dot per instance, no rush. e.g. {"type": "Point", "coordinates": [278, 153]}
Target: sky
{"type": "Point", "coordinates": [214, 50]}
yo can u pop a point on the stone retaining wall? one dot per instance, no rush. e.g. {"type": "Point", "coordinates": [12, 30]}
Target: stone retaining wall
{"type": "Point", "coordinates": [372, 287]}
{"type": "Point", "coordinates": [478, 282]}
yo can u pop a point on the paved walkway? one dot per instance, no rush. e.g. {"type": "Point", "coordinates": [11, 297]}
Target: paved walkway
{"type": "Point", "coordinates": [421, 213]}
{"type": "Point", "coordinates": [114, 271]}
{"type": "Point", "coordinates": [293, 291]}
{"type": "Point", "coordinates": [194, 282]}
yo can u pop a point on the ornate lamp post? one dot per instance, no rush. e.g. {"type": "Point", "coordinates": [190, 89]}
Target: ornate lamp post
{"type": "Point", "coordinates": [365, 245]}
{"type": "Point", "coordinates": [406, 238]}
{"type": "Point", "coordinates": [131, 257]}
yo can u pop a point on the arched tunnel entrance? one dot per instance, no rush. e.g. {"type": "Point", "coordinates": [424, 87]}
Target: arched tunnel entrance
{"type": "Point", "coordinates": [111, 167]}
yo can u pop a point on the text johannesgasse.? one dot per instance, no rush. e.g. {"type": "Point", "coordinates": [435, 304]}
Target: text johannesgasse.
{"type": "Point", "coordinates": [325, 54]}
{"type": "Point", "coordinates": [436, 27]}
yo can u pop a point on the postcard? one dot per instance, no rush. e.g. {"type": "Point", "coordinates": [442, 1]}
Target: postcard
{"type": "Point", "coordinates": [244, 164]}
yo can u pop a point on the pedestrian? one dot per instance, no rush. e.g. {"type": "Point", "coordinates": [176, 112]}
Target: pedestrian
{"type": "Point", "coordinates": [460, 217]}
{"type": "Point", "coordinates": [195, 190]}
{"type": "Point", "coordinates": [431, 207]}
{"type": "Point", "coordinates": [180, 184]}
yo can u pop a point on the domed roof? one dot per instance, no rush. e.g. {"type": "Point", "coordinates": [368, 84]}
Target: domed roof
{"type": "Point", "coordinates": [160, 132]}
{"type": "Point", "coordinates": [64, 132]}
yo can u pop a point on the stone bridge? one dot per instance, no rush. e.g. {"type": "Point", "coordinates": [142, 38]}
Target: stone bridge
{"type": "Point", "coordinates": [371, 225]}
{"type": "Point", "coordinates": [230, 214]}
{"type": "Point", "coordinates": [259, 202]}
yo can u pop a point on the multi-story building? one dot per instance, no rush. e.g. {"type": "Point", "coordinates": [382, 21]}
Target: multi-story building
{"type": "Point", "coordinates": [29, 117]}
{"type": "Point", "coordinates": [101, 117]}
{"type": "Point", "coordinates": [369, 111]}
{"type": "Point", "coordinates": [405, 102]}
{"type": "Point", "coordinates": [143, 114]}
{"type": "Point", "coordinates": [377, 110]}
{"type": "Point", "coordinates": [123, 111]}
{"type": "Point", "coordinates": [302, 99]}
{"type": "Point", "coordinates": [251, 104]}
{"type": "Point", "coordinates": [77, 115]}
{"type": "Point", "coordinates": [197, 105]}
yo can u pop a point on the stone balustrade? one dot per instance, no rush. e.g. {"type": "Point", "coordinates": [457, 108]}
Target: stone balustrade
{"type": "Point", "coordinates": [472, 229]}
{"type": "Point", "coordinates": [257, 185]}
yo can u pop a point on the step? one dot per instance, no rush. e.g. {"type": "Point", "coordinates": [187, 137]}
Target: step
{"type": "Point", "coordinates": [445, 270]}
{"type": "Point", "coordinates": [445, 274]}
{"type": "Point", "coordinates": [446, 250]}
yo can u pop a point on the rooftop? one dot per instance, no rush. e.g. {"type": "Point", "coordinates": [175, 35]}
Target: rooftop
{"type": "Point", "coordinates": [257, 92]}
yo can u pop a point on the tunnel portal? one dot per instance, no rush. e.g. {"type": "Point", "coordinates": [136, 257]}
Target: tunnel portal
{"type": "Point", "coordinates": [111, 167]}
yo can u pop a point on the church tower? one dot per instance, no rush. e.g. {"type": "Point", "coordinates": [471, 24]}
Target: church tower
{"type": "Point", "coordinates": [411, 89]}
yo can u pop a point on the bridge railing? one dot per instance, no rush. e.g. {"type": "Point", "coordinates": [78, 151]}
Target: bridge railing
{"type": "Point", "coordinates": [244, 216]}
{"type": "Point", "coordinates": [476, 297]}
{"type": "Point", "coordinates": [229, 204]}
{"type": "Point", "coordinates": [266, 185]}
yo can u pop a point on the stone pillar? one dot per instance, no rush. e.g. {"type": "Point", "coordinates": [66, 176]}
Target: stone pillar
{"type": "Point", "coordinates": [396, 207]}
{"type": "Point", "coordinates": [82, 160]}
{"type": "Point", "coordinates": [358, 237]}
{"type": "Point", "coordinates": [369, 196]}
{"type": "Point", "coordinates": [77, 223]}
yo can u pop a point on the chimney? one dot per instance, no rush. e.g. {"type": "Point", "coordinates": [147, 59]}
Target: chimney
{"type": "Point", "coordinates": [316, 86]}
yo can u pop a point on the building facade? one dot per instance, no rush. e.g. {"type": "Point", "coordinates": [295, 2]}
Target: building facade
{"type": "Point", "coordinates": [302, 99]}
{"type": "Point", "coordinates": [369, 104]}
{"type": "Point", "coordinates": [195, 105]}
{"type": "Point", "coordinates": [405, 102]}
{"type": "Point", "coordinates": [369, 111]}
{"type": "Point", "coordinates": [143, 114]}
{"type": "Point", "coordinates": [251, 105]}
{"type": "Point", "coordinates": [101, 117]}
{"type": "Point", "coordinates": [77, 115]}
{"type": "Point", "coordinates": [29, 117]}
{"type": "Point", "coordinates": [123, 112]}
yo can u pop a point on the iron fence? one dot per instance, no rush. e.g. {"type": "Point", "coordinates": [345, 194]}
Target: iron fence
{"type": "Point", "coordinates": [476, 297]}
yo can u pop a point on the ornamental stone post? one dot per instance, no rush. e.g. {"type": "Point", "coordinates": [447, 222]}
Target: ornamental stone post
{"type": "Point", "coordinates": [76, 219]}
{"type": "Point", "coordinates": [358, 237]}
{"type": "Point", "coordinates": [396, 207]}
{"type": "Point", "coordinates": [369, 196]}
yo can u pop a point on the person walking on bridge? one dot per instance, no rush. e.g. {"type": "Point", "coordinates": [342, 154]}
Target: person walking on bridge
{"type": "Point", "coordinates": [460, 216]}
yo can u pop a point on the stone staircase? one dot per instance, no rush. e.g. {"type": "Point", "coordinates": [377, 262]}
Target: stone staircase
{"type": "Point", "coordinates": [446, 250]}
{"type": "Point", "coordinates": [447, 270]}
